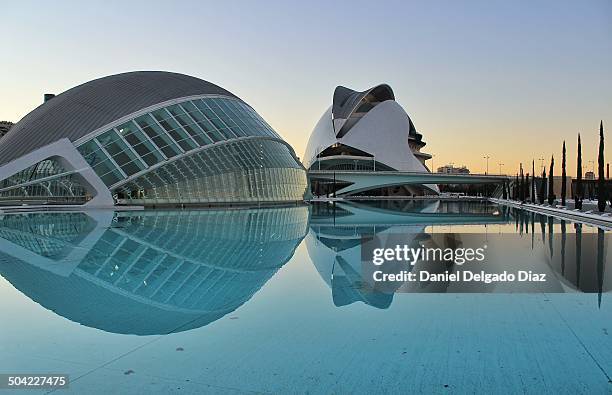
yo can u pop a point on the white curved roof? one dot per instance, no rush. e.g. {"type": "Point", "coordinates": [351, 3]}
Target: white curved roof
{"type": "Point", "coordinates": [347, 101]}
{"type": "Point", "coordinates": [321, 137]}
{"type": "Point", "coordinates": [382, 132]}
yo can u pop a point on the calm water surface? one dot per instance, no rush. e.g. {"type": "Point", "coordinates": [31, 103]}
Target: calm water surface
{"type": "Point", "coordinates": [273, 300]}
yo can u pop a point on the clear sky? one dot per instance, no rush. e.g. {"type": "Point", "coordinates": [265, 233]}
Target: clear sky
{"type": "Point", "coordinates": [507, 79]}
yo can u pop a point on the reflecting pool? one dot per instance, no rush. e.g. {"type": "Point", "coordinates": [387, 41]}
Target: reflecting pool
{"type": "Point", "coordinates": [276, 300]}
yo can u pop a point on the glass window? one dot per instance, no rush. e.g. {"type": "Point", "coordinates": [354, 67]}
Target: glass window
{"type": "Point", "coordinates": [216, 135]}
{"type": "Point", "coordinates": [229, 115]}
{"type": "Point", "coordinates": [92, 153]}
{"type": "Point", "coordinates": [189, 107]}
{"type": "Point", "coordinates": [218, 123]}
{"type": "Point", "coordinates": [202, 122]}
{"type": "Point", "coordinates": [107, 138]}
{"type": "Point", "coordinates": [188, 124]}
{"type": "Point", "coordinates": [143, 147]}
{"type": "Point", "coordinates": [221, 111]}
{"type": "Point", "coordinates": [159, 137]}
{"type": "Point", "coordinates": [108, 172]}
{"type": "Point", "coordinates": [174, 130]}
{"type": "Point", "coordinates": [127, 129]}
{"type": "Point", "coordinates": [120, 152]}
{"type": "Point", "coordinates": [205, 109]}
{"type": "Point", "coordinates": [237, 131]}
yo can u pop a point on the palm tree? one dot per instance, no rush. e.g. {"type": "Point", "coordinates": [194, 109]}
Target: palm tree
{"type": "Point", "coordinates": [601, 182]}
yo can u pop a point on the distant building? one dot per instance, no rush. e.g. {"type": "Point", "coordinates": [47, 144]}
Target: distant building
{"type": "Point", "coordinates": [450, 169]}
{"type": "Point", "coordinates": [365, 131]}
{"type": "Point", "coordinates": [590, 188]}
{"type": "Point", "coordinates": [557, 186]}
{"type": "Point", "coordinates": [5, 126]}
{"type": "Point", "coordinates": [589, 175]}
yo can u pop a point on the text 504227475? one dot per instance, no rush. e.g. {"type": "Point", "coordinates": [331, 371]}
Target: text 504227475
{"type": "Point", "coordinates": [33, 380]}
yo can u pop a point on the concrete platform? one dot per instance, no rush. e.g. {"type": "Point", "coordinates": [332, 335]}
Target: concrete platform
{"type": "Point", "coordinates": [597, 219]}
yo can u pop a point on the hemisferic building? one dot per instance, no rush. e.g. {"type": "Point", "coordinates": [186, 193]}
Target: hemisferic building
{"type": "Point", "coordinates": [147, 138]}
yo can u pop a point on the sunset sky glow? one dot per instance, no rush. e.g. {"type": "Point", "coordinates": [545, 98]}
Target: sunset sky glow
{"type": "Point", "coordinates": [510, 80]}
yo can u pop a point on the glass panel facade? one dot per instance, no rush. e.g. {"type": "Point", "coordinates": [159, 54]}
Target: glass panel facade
{"type": "Point", "coordinates": [164, 142]}
{"type": "Point", "coordinates": [252, 170]}
{"type": "Point", "coordinates": [56, 185]}
{"type": "Point", "coordinates": [244, 171]}
{"type": "Point", "coordinates": [144, 147]}
{"type": "Point", "coordinates": [101, 163]}
{"type": "Point", "coordinates": [120, 152]}
{"type": "Point", "coordinates": [175, 131]}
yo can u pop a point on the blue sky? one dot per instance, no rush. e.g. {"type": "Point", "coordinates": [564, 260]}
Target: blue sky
{"type": "Point", "coordinates": [507, 79]}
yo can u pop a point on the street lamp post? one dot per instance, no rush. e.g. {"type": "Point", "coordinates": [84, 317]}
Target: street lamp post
{"type": "Point", "coordinates": [500, 167]}
{"type": "Point", "coordinates": [487, 158]}
{"type": "Point", "coordinates": [541, 164]}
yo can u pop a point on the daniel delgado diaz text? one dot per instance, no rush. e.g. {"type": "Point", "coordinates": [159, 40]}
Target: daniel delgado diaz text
{"type": "Point", "coordinates": [463, 275]}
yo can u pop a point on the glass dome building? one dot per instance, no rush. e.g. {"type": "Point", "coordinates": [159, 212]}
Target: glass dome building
{"type": "Point", "coordinates": [147, 138]}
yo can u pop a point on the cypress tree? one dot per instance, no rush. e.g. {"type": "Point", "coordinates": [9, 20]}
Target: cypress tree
{"type": "Point", "coordinates": [516, 188]}
{"type": "Point", "coordinates": [522, 187]}
{"type": "Point", "coordinates": [551, 181]}
{"type": "Point", "coordinates": [533, 182]}
{"type": "Point", "coordinates": [601, 182]}
{"type": "Point", "coordinates": [527, 187]}
{"type": "Point", "coordinates": [524, 182]}
{"type": "Point", "coordinates": [543, 187]}
{"type": "Point", "coordinates": [563, 177]}
{"type": "Point", "coordinates": [579, 192]}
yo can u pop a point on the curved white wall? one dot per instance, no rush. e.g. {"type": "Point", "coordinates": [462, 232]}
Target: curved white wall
{"type": "Point", "coordinates": [321, 137]}
{"type": "Point", "coordinates": [383, 132]}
